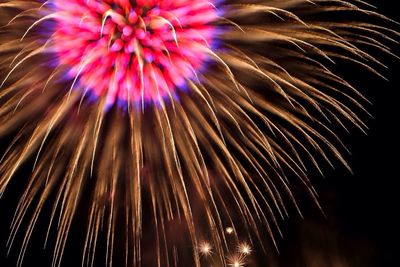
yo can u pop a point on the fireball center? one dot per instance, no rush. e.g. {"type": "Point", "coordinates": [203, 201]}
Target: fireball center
{"type": "Point", "coordinates": [136, 30]}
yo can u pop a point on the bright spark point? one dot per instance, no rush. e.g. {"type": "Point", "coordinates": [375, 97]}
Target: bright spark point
{"type": "Point", "coordinates": [245, 249]}
{"type": "Point", "coordinates": [236, 261]}
{"type": "Point", "coordinates": [205, 248]}
{"type": "Point", "coordinates": [237, 264]}
{"type": "Point", "coordinates": [229, 230]}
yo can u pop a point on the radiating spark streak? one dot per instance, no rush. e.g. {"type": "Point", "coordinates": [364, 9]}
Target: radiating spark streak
{"type": "Point", "coordinates": [48, 17]}
{"type": "Point", "coordinates": [30, 55]}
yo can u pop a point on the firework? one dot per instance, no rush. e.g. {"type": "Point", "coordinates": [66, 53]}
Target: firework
{"type": "Point", "coordinates": [205, 248]}
{"type": "Point", "coordinates": [170, 117]}
{"type": "Point", "coordinates": [236, 261]}
{"type": "Point", "coordinates": [133, 53]}
{"type": "Point", "coordinates": [244, 249]}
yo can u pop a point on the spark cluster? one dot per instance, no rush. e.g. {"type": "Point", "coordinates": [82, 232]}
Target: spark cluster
{"type": "Point", "coordinates": [238, 256]}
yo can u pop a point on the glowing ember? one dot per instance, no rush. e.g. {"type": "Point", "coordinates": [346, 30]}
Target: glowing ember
{"type": "Point", "coordinates": [229, 230]}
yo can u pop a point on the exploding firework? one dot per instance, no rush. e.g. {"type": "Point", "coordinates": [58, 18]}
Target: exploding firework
{"type": "Point", "coordinates": [167, 117]}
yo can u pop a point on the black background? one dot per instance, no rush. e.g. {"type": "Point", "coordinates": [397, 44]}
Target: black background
{"type": "Point", "coordinates": [361, 227]}
{"type": "Point", "coordinates": [362, 208]}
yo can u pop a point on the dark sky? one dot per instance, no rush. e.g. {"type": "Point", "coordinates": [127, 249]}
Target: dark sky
{"type": "Point", "coordinates": [362, 224]}
{"type": "Point", "coordinates": [361, 227]}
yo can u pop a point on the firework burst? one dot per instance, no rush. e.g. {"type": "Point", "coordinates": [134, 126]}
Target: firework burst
{"type": "Point", "coordinates": [189, 114]}
{"type": "Point", "coordinates": [133, 53]}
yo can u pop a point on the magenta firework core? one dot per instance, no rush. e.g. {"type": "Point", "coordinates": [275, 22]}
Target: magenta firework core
{"type": "Point", "coordinates": [133, 51]}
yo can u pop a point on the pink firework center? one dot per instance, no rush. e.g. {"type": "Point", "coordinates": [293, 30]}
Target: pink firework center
{"type": "Point", "coordinates": [134, 51]}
